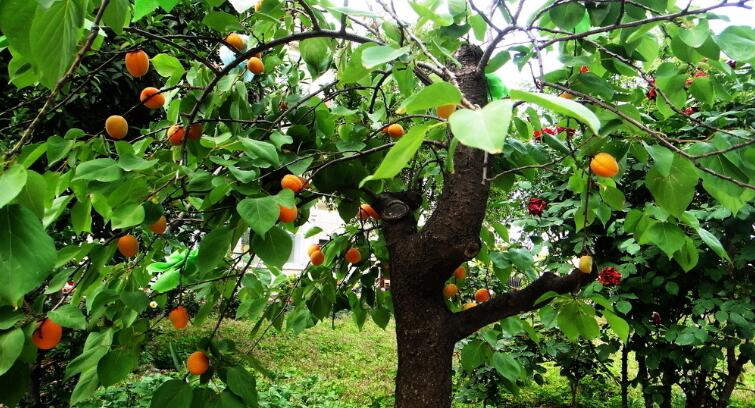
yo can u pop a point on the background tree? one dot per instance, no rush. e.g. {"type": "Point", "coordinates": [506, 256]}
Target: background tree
{"type": "Point", "coordinates": [84, 209]}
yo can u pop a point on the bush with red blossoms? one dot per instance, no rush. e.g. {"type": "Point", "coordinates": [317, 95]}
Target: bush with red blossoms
{"type": "Point", "coordinates": [538, 134]}
{"type": "Point", "coordinates": [536, 206]}
{"type": "Point", "coordinates": [549, 130]}
{"type": "Point", "coordinates": [609, 276]}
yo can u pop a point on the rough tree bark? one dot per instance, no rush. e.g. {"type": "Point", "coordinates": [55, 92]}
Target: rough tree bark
{"type": "Point", "coordinates": [422, 261]}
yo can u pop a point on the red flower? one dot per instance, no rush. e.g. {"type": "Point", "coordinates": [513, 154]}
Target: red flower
{"type": "Point", "coordinates": [549, 130]}
{"type": "Point", "coordinates": [651, 94]}
{"type": "Point", "coordinates": [609, 276]}
{"type": "Point", "coordinates": [584, 69]}
{"type": "Point", "coordinates": [699, 74]}
{"type": "Point", "coordinates": [536, 206]}
{"type": "Point", "coordinates": [690, 110]}
{"type": "Point", "coordinates": [538, 134]}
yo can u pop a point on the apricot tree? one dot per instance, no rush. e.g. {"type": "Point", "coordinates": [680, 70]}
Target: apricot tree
{"type": "Point", "coordinates": [144, 139]}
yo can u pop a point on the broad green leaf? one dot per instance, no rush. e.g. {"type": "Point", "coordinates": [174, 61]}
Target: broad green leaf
{"type": "Point", "coordinates": [104, 170]}
{"type": "Point", "coordinates": [11, 344]}
{"type": "Point", "coordinates": [117, 15]}
{"type": "Point", "coordinates": [567, 320]}
{"type": "Point", "coordinates": [354, 70]}
{"type": "Point", "coordinates": [618, 325]}
{"type": "Point", "coordinates": [85, 386]}
{"type": "Point", "coordinates": [687, 257]}
{"type": "Point", "coordinates": [473, 355]}
{"type": "Point", "coordinates": [54, 36]}
{"type": "Point", "coordinates": [274, 247]}
{"type": "Point", "coordinates": [257, 149]}
{"type": "Point", "coordinates": [27, 253]}
{"type": "Point", "coordinates": [738, 42]}
{"type": "Point", "coordinates": [213, 248]}
{"type": "Point", "coordinates": [243, 384]}
{"type": "Point", "coordinates": [497, 61]}
{"type": "Point", "coordinates": [69, 316]}
{"type": "Point", "coordinates": [172, 394]}
{"type": "Point", "coordinates": [15, 16]}
{"type": "Point", "coordinates": [127, 215]}
{"type": "Point", "coordinates": [167, 65]}
{"type": "Point", "coordinates": [12, 181]}
{"type": "Point", "coordinates": [374, 56]}
{"type": "Point", "coordinates": [57, 149]}
{"type": "Point", "coordinates": [559, 105]}
{"type": "Point", "coordinates": [350, 11]}
{"type": "Point", "coordinates": [567, 15]}
{"type": "Point", "coordinates": [222, 22]}
{"type": "Point", "coordinates": [713, 243]}
{"type": "Point", "coordinates": [695, 36]}
{"type": "Point", "coordinates": [116, 366]}
{"type": "Point", "coordinates": [485, 129]}
{"type": "Point", "coordinates": [506, 365]}
{"type": "Point", "coordinates": [666, 236]}
{"type": "Point", "coordinates": [399, 155]}
{"type": "Point", "coordinates": [675, 191]}
{"type": "Point", "coordinates": [663, 157]}
{"type": "Point", "coordinates": [316, 53]}
{"type": "Point", "coordinates": [143, 8]}
{"type": "Point", "coordinates": [259, 213]}
{"type": "Point", "coordinates": [434, 95]}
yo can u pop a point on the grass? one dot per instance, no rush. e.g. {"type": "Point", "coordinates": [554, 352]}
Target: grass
{"type": "Point", "coordinates": [343, 367]}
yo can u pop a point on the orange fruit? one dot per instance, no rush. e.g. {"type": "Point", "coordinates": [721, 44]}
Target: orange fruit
{"type": "Point", "coordinates": [585, 264]}
{"type": "Point", "coordinates": [395, 130]}
{"type": "Point", "coordinates": [482, 295]}
{"type": "Point", "coordinates": [604, 165]}
{"type": "Point", "coordinates": [128, 246]}
{"type": "Point", "coordinates": [312, 248]}
{"type": "Point", "coordinates": [175, 135]}
{"type": "Point", "coordinates": [450, 290]}
{"type": "Point", "coordinates": [353, 256]}
{"type": "Point", "coordinates": [304, 182]}
{"type": "Point", "coordinates": [469, 305]}
{"type": "Point", "coordinates": [159, 226]}
{"type": "Point", "coordinates": [255, 65]}
{"type": "Point", "coordinates": [137, 63]}
{"type": "Point", "coordinates": [116, 127]}
{"type": "Point", "coordinates": [236, 41]}
{"type": "Point", "coordinates": [47, 335]}
{"type": "Point", "coordinates": [151, 98]}
{"type": "Point", "coordinates": [292, 183]}
{"type": "Point", "coordinates": [287, 214]}
{"type": "Point", "coordinates": [444, 111]}
{"type": "Point", "coordinates": [179, 317]}
{"type": "Point", "coordinates": [195, 131]}
{"type": "Point", "coordinates": [197, 363]}
{"type": "Point", "coordinates": [366, 211]}
{"type": "Point", "coordinates": [460, 273]}
{"type": "Point", "coordinates": [317, 258]}
{"type": "Point", "coordinates": [567, 95]}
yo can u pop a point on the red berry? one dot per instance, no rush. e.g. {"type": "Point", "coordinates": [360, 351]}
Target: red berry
{"type": "Point", "coordinates": [584, 69]}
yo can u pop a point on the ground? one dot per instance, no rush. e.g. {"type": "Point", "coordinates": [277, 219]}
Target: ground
{"type": "Point", "coordinates": [339, 367]}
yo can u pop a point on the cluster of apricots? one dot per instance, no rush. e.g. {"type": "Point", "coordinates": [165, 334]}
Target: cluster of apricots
{"type": "Point", "coordinates": [128, 245]}
{"type": "Point", "coordinates": [451, 289]}
{"type": "Point", "coordinates": [254, 64]}
{"type": "Point", "coordinates": [296, 184]}
{"type": "Point", "coordinates": [396, 131]}
{"type": "Point", "coordinates": [197, 363]}
{"type": "Point", "coordinates": [352, 255]}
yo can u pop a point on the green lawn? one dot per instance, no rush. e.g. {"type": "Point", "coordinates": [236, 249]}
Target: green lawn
{"type": "Point", "coordinates": [336, 368]}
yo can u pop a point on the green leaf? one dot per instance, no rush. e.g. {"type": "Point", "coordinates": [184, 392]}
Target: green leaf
{"type": "Point", "coordinates": [12, 181]}
{"type": "Point", "coordinates": [274, 247]}
{"type": "Point", "coordinates": [69, 316]}
{"type": "Point", "coordinates": [105, 170]}
{"type": "Point", "coordinates": [27, 254]}
{"type": "Point", "coordinates": [117, 14]}
{"type": "Point", "coordinates": [374, 56]}
{"type": "Point", "coordinates": [497, 62]}
{"type": "Point", "coordinates": [127, 215]}
{"type": "Point", "coordinates": [85, 387]}
{"type": "Point", "coordinates": [434, 95]}
{"type": "Point", "coordinates": [506, 365]}
{"type": "Point", "coordinates": [15, 16]}
{"type": "Point", "coordinates": [11, 345]}
{"type": "Point", "coordinates": [713, 243]}
{"type": "Point", "coordinates": [560, 105]}
{"type": "Point", "coordinates": [259, 213]}
{"type": "Point", "coordinates": [738, 42]}
{"type": "Point", "coordinates": [687, 258]}
{"type": "Point", "coordinates": [116, 366]}
{"type": "Point", "coordinates": [484, 129]}
{"type": "Point", "coordinates": [618, 325]}
{"type": "Point", "coordinates": [666, 236]}
{"type": "Point", "coordinates": [53, 38]}
{"type": "Point", "coordinates": [399, 155]}
{"type": "Point", "coordinates": [695, 36]}
{"type": "Point", "coordinates": [663, 157]}
{"type": "Point", "coordinates": [243, 384]}
{"type": "Point", "coordinates": [57, 149]}
{"type": "Point", "coordinates": [143, 8]}
{"type": "Point", "coordinates": [257, 149]}
{"type": "Point", "coordinates": [612, 196]}
{"type": "Point", "coordinates": [354, 70]}
{"type": "Point", "coordinates": [222, 22]}
{"type": "Point", "coordinates": [213, 248]}
{"type": "Point", "coordinates": [167, 65]}
{"type": "Point", "coordinates": [675, 191]}
{"type": "Point", "coordinates": [472, 355]}
{"type": "Point", "coordinates": [172, 394]}
{"type": "Point", "coordinates": [316, 53]}
{"type": "Point", "coordinates": [567, 318]}
{"type": "Point", "coordinates": [353, 11]}
{"type": "Point", "coordinates": [567, 15]}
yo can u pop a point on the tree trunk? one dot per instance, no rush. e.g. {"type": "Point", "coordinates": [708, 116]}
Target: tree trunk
{"type": "Point", "coordinates": [734, 367]}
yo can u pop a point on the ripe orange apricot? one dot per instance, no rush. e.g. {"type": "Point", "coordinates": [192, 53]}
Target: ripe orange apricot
{"type": "Point", "coordinates": [604, 165]}
{"type": "Point", "coordinates": [175, 135]}
{"type": "Point", "coordinates": [236, 41]}
{"type": "Point", "coordinates": [47, 335]}
{"type": "Point", "coordinates": [444, 111]}
{"type": "Point", "coordinates": [116, 127]}
{"type": "Point", "coordinates": [469, 305]}
{"type": "Point", "coordinates": [317, 258]}
{"type": "Point", "coordinates": [395, 130]}
{"type": "Point", "coordinates": [287, 214]}
{"type": "Point", "coordinates": [312, 248]}
{"type": "Point", "coordinates": [137, 63]}
{"type": "Point", "coordinates": [197, 363]}
{"type": "Point", "coordinates": [292, 183]}
{"type": "Point", "coordinates": [482, 295]}
{"type": "Point", "coordinates": [255, 65]}
{"type": "Point", "coordinates": [366, 211]}
{"type": "Point", "coordinates": [151, 98]}
{"type": "Point", "coordinates": [567, 95]}
{"type": "Point", "coordinates": [128, 246]}
{"type": "Point", "coordinates": [159, 226]}
{"type": "Point", "coordinates": [353, 256]}
{"type": "Point", "coordinates": [585, 264]}
{"type": "Point", "coordinates": [460, 273]}
{"type": "Point", "coordinates": [195, 131]}
{"type": "Point", "coordinates": [450, 290]}
{"type": "Point", "coordinates": [179, 317]}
